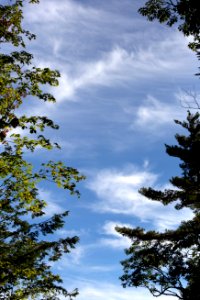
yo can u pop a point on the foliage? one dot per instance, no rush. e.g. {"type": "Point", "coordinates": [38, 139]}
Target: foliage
{"type": "Point", "coordinates": [26, 251]}
{"type": "Point", "coordinates": [185, 12]}
{"type": "Point", "coordinates": [168, 263]}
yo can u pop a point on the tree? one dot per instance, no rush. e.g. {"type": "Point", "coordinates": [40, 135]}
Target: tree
{"type": "Point", "coordinates": [184, 12]}
{"type": "Point", "coordinates": [168, 263]}
{"type": "Point", "coordinates": [26, 251]}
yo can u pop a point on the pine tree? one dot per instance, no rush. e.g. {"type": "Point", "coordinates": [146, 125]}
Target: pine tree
{"type": "Point", "coordinates": [26, 252]}
{"type": "Point", "coordinates": [168, 263]}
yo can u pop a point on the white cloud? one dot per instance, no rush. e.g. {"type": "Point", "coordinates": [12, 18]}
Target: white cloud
{"type": "Point", "coordinates": [101, 291]}
{"type": "Point", "coordinates": [115, 240]}
{"type": "Point", "coordinates": [64, 232]}
{"type": "Point", "coordinates": [109, 228]}
{"type": "Point", "coordinates": [153, 114]}
{"type": "Point", "coordinates": [112, 186]}
{"type": "Point", "coordinates": [63, 11]}
{"type": "Point", "coordinates": [118, 193]}
{"type": "Point", "coordinates": [71, 260]}
{"type": "Point", "coordinates": [105, 71]}
{"type": "Point", "coordinates": [76, 256]}
{"type": "Point", "coordinates": [118, 66]}
{"type": "Point", "coordinates": [73, 33]}
{"type": "Point", "coordinates": [102, 268]}
{"type": "Point", "coordinates": [51, 206]}
{"type": "Point", "coordinates": [92, 73]}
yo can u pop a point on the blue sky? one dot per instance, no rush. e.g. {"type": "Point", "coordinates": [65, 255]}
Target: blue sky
{"type": "Point", "coordinates": [123, 82]}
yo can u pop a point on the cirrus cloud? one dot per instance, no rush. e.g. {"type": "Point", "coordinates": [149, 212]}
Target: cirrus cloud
{"type": "Point", "coordinates": [117, 191]}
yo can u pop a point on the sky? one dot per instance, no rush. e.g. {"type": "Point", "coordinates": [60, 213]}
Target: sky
{"type": "Point", "coordinates": [123, 82]}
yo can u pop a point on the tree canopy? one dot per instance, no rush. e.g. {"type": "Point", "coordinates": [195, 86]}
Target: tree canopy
{"type": "Point", "coordinates": [26, 251]}
{"type": "Point", "coordinates": [168, 263]}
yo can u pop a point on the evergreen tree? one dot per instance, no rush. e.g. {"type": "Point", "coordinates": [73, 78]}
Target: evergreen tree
{"type": "Point", "coordinates": [168, 263]}
{"type": "Point", "coordinates": [26, 252]}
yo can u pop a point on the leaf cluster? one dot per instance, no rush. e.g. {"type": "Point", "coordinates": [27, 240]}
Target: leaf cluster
{"type": "Point", "coordinates": [26, 250]}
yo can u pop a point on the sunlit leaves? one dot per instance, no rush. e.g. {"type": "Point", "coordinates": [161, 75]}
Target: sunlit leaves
{"type": "Point", "coordinates": [24, 228]}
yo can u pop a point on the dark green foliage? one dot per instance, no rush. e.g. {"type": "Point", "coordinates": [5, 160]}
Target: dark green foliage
{"type": "Point", "coordinates": [168, 263]}
{"type": "Point", "coordinates": [25, 250]}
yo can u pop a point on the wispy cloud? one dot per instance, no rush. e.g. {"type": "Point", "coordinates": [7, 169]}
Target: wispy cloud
{"type": "Point", "coordinates": [91, 48]}
{"type": "Point", "coordinates": [100, 72]}
{"type": "Point", "coordinates": [116, 66]}
{"type": "Point", "coordinates": [57, 12]}
{"type": "Point", "coordinates": [100, 291]}
{"type": "Point", "coordinates": [153, 115]}
{"type": "Point", "coordinates": [75, 257]}
{"type": "Point", "coordinates": [114, 239]}
{"type": "Point", "coordinates": [51, 206]}
{"type": "Point", "coordinates": [118, 194]}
